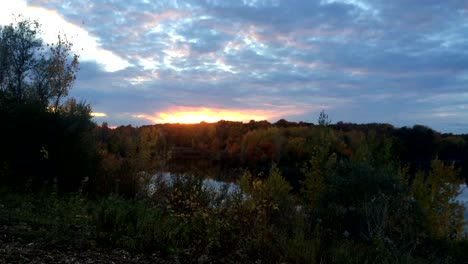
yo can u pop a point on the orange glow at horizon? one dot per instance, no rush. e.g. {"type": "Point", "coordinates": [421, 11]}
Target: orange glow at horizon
{"type": "Point", "coordinates": [209, 115]}
{"type": "Point", "coordinates": [98, 114]}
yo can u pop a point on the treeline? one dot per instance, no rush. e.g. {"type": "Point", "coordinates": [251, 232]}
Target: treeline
{"type": "Point", "coordinates": [40, 146]}
{"type": "Point", "coordinates": [217, 149]}
{"type": "Point", "coordinates": [355, 202]}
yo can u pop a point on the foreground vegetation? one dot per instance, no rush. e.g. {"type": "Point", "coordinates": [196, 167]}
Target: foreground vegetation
{"type": "Point", "coordinates": [325, 193]}
{"type": "Point", "coordinates": [362, 215]}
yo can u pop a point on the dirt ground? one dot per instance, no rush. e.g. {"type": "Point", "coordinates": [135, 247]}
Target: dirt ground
{"type": "Point", "coordinates": [15, 249]}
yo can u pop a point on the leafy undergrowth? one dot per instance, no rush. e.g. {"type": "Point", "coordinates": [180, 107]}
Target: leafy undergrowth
{"type": "Point", "coordinates": [263, 222]}
{"type": "Point", "coordinates": [48, 229]}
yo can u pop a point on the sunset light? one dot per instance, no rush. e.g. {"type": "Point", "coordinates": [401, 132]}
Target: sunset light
{"type": "Point", "coordinates": [98, 114]}
{"type": "Point", "coordinates": [186, 115]}
{"type": "Point", "coordinates": [146, 62]}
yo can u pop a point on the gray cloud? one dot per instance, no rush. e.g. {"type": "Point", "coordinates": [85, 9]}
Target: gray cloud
{"type": "Point", "coordinates": [362, 61]}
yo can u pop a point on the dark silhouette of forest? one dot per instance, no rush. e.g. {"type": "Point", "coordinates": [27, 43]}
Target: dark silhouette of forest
{"type": "Point", "coordinates": [308, 193]}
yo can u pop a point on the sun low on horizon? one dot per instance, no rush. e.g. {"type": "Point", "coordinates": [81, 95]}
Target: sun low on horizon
{"type": "Point", "coordinates": [184, 115]}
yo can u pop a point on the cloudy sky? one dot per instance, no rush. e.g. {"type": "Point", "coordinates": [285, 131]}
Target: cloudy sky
{"type": "Point", "coordinates": [402, 62]}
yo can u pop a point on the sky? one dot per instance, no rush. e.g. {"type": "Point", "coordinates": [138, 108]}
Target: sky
{"type": "Point", "coordinates": [402, 62]}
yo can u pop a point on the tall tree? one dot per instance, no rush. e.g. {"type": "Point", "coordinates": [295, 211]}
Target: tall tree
{"type": "Point", "coordinates": [18, 46]}
{"type": "Point", "coordinates": [35, 79]}
{"type": "Point", "coordinates": [31, 70]}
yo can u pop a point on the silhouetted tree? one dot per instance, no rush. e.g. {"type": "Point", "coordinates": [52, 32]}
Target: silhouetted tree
{"type": "Point", "coordinates": [323, 119]}
{"type": "Point", "coordinates": [46, 139]}
{"type": "Point", "coordinates": [31, 70]}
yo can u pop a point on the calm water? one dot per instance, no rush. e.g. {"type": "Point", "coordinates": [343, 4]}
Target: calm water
{"type": "Point", "coordinates": [211, 184]}
{"type": "Point", "coordinates": [463, 198]}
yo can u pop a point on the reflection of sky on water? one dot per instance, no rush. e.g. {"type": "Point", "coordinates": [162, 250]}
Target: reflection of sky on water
{"type": "Point", "coordinates": [463, 197]}
{"type": "Point", "coordinates": [217, 186]}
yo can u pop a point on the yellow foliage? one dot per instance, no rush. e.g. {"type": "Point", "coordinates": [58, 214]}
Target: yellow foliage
{"type": "Point", "coordinates": [435, 192]}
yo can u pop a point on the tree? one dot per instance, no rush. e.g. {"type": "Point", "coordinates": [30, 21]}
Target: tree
{"type": "Point", "coordinates": [31, 70]}
{"type": "Point", "coordinates": [35, 79]}
{"type": "Point", "coordinates": [435, 193]}
{"type": "Point", "coordinates": [18, 45]}
{"type": "Point", "coordinates": [323, 119]}
{"type": "Point", "coordinates": [59, 71]}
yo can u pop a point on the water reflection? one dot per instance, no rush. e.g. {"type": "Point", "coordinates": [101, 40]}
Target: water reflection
{"type": "Point", "coordinates": [168, 179]}
{"type": "Point", "coordinates": [463, 198]}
